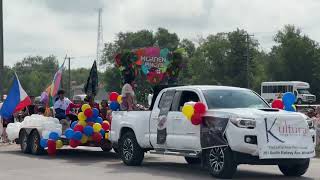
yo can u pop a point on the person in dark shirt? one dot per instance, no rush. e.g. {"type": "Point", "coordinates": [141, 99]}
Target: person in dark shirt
{"type": "Point", "coordinates": [32, 108]}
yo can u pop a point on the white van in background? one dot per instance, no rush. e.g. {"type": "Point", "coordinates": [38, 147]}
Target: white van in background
{"type": "Point", "coordinates": [272, 90]}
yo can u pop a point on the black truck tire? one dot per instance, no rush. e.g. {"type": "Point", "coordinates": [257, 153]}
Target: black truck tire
{"type": "Point", "coordinates": [295, 170]}
{"type": "Point", "coordinates": [34, 142]}
{"type": "Point", "coordinates": [221, 163]}
{"type": "Point", "coordinates": [24, 142]}
{"type": "Point", "coordinates": [130, 151]}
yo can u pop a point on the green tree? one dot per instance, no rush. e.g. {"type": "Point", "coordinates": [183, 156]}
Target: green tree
{"type": "Point", "coordinates": [36, 73]}
{"type": "Point", "coordinates": [165, 39]}
{"type": "Point", "coordinates": [296, 57]}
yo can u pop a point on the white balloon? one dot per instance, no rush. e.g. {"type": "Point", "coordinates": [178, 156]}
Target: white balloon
{"type": "Point", "coordinates": [45, 134]}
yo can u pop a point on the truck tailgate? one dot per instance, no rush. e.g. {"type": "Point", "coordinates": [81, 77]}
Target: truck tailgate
{"type": "Point", "coordinates": [138, 121]}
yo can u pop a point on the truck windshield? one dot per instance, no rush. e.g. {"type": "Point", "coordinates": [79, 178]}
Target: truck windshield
{"type": "Point", "coordinates": [218, 99]}
{"type": "Point", "coordinates": [303, 91]}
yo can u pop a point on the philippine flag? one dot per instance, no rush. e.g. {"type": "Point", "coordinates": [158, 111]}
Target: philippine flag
{"type": "Point", "coordinates": [16, 100]}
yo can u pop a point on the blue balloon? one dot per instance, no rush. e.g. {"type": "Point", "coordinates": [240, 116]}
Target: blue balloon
{"type": "Point", "coordinates": [69, 133]}
{"type": "Point", "coordinates": [77, 135]}
{"type": "Point", "coordinates": [289, 108]}
{"type": "Point", "coordinates": [99, 120]}
{"type": "Point", "coordinates": [95, 112]}
{"type": "Point", "coordinates": [90, 119]}
{"type": "Point", "coordinates": [44, 143]}
{"type": "Point", "coordinates": [54, 136]}
{"type": "Point", "coordinates": [288, 99]}
{"type": "Point", "coordinates": [88, 130]}
{"type": "Point", "coordinates": [114, 106]}
{"type": "Point", "coordinates": [74, 124]}
{"type": "Point", "coordinates": [102, 132]}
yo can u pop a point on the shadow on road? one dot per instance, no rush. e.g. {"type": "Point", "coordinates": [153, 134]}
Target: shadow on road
{"type": "Point", "coordinates": [156, 166]}
{"type": "Point", "coordinates": [189, 172]}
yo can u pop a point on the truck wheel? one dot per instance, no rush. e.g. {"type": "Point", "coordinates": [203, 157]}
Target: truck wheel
{"type": "Point", "coordinates": [24, 144]}
{"type": "Point", "coordinates": [192, 160]}
{"type": "Point", "coordinates": [221, 163]}
{"type": "Point", "coordinates": [130, 151]}
{"type": "Point", "coordinates": [295, 170]}
{"type": "Point", "coordinates": [36, 149]}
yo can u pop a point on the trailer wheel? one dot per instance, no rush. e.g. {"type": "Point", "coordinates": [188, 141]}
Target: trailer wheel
{"type": "Point", "coordinates": [34, 139]}
{"type": "Point", "coordinates": [106, 146]}
{"type": "Point", "coordinates": [24, 143]}
{"type": "Point", "coordinates": [130, 151]}
{"type": "Point", "coordinates": [295, 170]}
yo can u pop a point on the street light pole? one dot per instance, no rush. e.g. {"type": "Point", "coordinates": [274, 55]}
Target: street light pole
{"type": "Point", "coordinates": [1, 52]}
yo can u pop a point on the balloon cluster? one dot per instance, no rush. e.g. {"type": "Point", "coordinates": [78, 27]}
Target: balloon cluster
{"type": "Point", "coordinates": [89, 127]}
{"type": "Point", "coordinates": [116, 100]}
{"type": "Point", "coordinates": [287, 102]}
{"type": "Point", "coordinates": [194, 112]}
{"type": "Point", "coordinates": [53, 143]}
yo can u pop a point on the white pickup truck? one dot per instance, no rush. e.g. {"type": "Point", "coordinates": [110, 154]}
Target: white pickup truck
{"type": "Point", "coordinates": [239, 127]}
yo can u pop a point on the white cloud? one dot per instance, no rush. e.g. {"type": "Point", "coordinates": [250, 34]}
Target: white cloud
{"type": "Point", "coordinates": [44, 27]}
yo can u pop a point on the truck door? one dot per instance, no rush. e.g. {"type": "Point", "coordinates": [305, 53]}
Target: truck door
{"type": "Point", "coordinates": [161, 126]}
{"type": "Point", "coordinates": [185, 135]}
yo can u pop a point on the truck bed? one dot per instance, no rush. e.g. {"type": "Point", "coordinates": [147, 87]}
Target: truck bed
{"type": "Point", "coordinates": [125, 119]}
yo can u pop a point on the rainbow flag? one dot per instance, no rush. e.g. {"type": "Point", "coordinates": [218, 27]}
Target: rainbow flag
{"type": "Point", "coordinates": [53, 88]}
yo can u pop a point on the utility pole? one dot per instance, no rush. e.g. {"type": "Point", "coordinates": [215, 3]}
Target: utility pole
{"type": "Point", "coordinates": [248, 59]}
{"type": "Point", "coordinates": [69, 75]}
{"type": "Point", "coordinates": [69, 78]}
{"type": "Point", "coordinates": [99, 38]}
{"type": "Point", "coordinates": [1, 52]}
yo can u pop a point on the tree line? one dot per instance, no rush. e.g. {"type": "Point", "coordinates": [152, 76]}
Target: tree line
{"type": "Point", "coordinates": [226, 58]}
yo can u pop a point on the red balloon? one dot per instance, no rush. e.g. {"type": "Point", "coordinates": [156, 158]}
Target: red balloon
{"type": "Point", "coordinates": [51, 147]}
{"type": "Point", "coordinates": [90, 123]}
{"type": "Point", "coordinates": [199, 108]}
{"type": "Point", "coordinates": [105, 126]}
{"type": "Point", "coordinates": [196, 119]}
{"type": "Point", "coordinates": [74, 143]}
{"type": "Point", "coordinates": [97, 137]}
{"type": "Point", "coordinates": [78, 127]}
{"type": "Point", "coordinates": [278, 104]}
{"type": "Point", "coordinates": [113, 96]}
{"type": "Point", "coordinates": [88, 113]}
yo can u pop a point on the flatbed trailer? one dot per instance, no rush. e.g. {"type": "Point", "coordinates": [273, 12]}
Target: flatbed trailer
{"type": "Point", "coordinates": [29, 140]}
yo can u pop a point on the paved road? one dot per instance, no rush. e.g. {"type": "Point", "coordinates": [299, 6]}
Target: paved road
{"type": "Point", "coordinates": [92, 164]}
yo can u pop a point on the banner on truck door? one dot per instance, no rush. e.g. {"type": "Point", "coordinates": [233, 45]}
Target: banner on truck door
{"type": "Point", "coordinates": [284, 138]}
{"type": "Point", "coordinates": [164, 105]}
{"type": "Point", "coordinates": [212, 132]}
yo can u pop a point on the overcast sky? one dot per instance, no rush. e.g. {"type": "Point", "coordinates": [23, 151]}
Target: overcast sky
{"type": "Point", "coordinates": [57, 27]}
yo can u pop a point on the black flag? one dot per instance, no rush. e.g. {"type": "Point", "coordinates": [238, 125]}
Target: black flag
{"type": "Point", "coordinates": [91, 87]}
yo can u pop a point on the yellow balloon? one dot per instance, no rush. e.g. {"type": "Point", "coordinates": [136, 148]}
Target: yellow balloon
{"type": "Point", "coordinates": [59, 144]}
{"type": "Point", "coordinates": [97, 127]}
{"type": "Point", "coordinates": [82, 123]}
{"type": "Point", "coordinates": [119, 99]}
{"type": "Point", "coordinates": [85, 106]}
{"type": "Point", "coordinates": [106, 136]}
{"type": "Point", "coordinates": [81, 116]}
{"type": "Point", "coordinates": [188, 111]}
{"type": "Point", "coordinates": [84, 139]}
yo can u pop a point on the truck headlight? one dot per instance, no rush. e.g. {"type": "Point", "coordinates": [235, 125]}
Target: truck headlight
{"type": "Point", "coordinates": [310, 123]}
{"type": "Point", "coordinates": [243, 122]}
